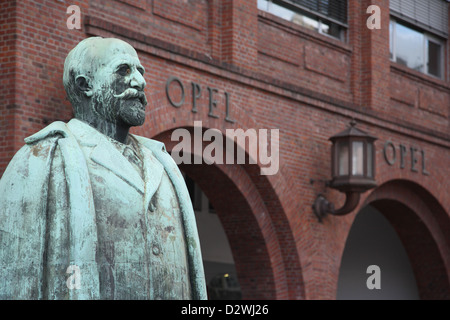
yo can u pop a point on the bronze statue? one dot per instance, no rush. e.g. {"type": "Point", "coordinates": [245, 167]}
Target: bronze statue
{"type": "Point", "coordinates": [89, 195]}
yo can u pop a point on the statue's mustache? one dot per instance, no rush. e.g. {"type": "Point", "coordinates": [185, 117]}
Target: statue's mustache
{"type": "Point", "coordinates": [132, 93]}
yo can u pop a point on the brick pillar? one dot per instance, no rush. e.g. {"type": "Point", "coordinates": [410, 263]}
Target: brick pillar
{"type": "Point", "coordinates": [214, 28]}
{"type": "Point", "coordinates": [447, 62]}
{"type": "Point", "coordinates": [239, 33]}
{"type": "Point", "coordinates": [371, 64]}
{"type": "Point", "coordinates": [8, 107]}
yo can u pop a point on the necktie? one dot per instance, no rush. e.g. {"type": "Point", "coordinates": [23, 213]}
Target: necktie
{"type": "Point", "coordinates": [132, 157]}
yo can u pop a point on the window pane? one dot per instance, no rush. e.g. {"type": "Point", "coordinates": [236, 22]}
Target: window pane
{"type": "Point", "coordinates": [357, 158]}
{"type": "Point", "coordinates": [434, 58]}
{"type": "Point", "coordinates": [332, 29]}
{"type": "Point", "coordinates": [430, 14]}
{"type": "Point", "coordinates": [275, 9]}
{"type": "Point", "coordinates": [311, 14]}
{"type": "Point", "coordinates": [343, 159]}
{"type": "Point", "coordinates": [336, 9]}
{"type": "Point", "coordinates": [409, 47]}
{"type": "Point", "coordinates": [305, 21]}
{"type": "Point", "coordinates": [369, 161]}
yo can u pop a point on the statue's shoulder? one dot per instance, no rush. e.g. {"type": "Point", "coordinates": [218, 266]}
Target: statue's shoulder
{"type": "Point", "coordinates": [53, 130]}
{"type": "Point", "coordinates": [34, 154]}
{"type": "Point", "coordinates": [154, 145]}
{"type": "Point", "coordinates": [158, 149]}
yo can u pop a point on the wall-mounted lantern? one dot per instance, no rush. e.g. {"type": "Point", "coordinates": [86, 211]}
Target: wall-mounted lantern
{"type": "Point", "coordinates": [353, 170]}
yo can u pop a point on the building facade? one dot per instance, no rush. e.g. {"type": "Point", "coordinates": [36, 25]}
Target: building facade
{"type": "Point", "coordinates": [302, 69]}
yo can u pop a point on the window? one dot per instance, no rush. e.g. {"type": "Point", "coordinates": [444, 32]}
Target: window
{"type": "Point", "coordinates": [429, 15]}
{"type": "Point", "coordinates": [194, 192]}
{"type": "Point", "coordinates": [418, 31]}
{"type": "Point", "coordinates": [327, 17]}
{"type": "Point", "coordinates": [416, 49]}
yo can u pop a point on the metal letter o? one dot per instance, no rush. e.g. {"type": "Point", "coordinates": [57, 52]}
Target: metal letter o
{"type": "Point", "coordinates": [389, 161]}
{"type": "Point", "coordinates": [179, 103]}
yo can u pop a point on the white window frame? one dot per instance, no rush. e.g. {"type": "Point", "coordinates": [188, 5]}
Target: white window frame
{"type": "Point", "coordinates": [431, 38]}
{"type": "Point", "coordinates": [427, 37]}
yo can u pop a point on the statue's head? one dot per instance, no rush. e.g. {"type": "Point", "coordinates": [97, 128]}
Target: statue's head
{"type": "Point", "coordinates": [104, 81]}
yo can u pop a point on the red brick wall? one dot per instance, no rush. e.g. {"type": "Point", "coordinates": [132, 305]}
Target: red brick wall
{"type": "Point", "coordinates": [8, 33]}
{"type": "Point", "coordinates": [278, 75]}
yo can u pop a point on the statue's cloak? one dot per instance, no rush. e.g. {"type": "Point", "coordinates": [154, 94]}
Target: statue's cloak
{"type": "Point", "coordinates": [40, 235]}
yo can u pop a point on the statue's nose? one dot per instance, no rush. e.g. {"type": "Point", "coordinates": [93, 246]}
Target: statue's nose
{"type": "Point", "coordinates": [137, 81]}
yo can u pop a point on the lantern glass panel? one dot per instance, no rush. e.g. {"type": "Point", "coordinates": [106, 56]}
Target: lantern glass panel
{"type": "Point", "coordinates": [369, 160]}
{"type": "Point", "coordinates": [342, 158]}
{"type": "Point", "coordinates": [357, 158]}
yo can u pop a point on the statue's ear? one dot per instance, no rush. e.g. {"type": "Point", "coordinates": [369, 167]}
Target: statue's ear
{"type": "Point", "coordinates": [83, 84]}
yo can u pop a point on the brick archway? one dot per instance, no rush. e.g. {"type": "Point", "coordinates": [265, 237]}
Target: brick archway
{"type": "Point", "coordinates": [255, 223]}
{"type": "Point", "coordinates": [423, 227]}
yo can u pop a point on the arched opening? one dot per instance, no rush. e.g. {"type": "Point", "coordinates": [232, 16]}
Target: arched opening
{"type": "Point", "coordinates": [421, 228]}
{"type": "Point", "coordinates": [252, 260]}
{"type": "Point", "coordinates": [244, 235]}
{"type": "Point", "coordinates": [373, 241]}
{"type": "Point", "coordinates": [247, 208]}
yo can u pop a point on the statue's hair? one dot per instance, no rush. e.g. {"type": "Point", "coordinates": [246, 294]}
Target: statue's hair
{"type": "Point", "coordinates": [76, 63]}
{"type": "Point", "coordinates": [85, 59]}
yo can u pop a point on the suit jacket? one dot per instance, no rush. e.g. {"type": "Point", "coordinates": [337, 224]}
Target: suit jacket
{"type": "Point", "coordinates": [48, 223]}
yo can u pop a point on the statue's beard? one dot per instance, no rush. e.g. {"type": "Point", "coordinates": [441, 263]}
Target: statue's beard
{"type": "Point", "coordinates": [132, 107]}
{"type": "Point", "coordinates": [127, 108]}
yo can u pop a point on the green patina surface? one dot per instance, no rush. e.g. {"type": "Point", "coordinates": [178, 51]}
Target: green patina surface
{"type": "Point", "coordinates": [89, 194]}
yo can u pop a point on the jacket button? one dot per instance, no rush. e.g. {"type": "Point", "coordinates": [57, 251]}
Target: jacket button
{"type": "Point", "coordinates": [156, 251]}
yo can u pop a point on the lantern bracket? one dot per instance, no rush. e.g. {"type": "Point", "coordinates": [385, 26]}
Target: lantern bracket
{"type": "Point", "coordinates": [322, 206]}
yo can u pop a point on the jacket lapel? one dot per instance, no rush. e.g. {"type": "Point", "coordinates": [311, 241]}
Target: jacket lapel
{"type": "Point", "coordinates": [107, 155]}
{"type": "Point", "coordinates": [104, 153]}
{"type": "Point", "coordinates": [165, 161]}
{"type": "Point", "coordinates": [153, 171]}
